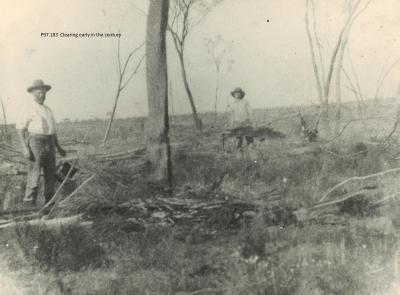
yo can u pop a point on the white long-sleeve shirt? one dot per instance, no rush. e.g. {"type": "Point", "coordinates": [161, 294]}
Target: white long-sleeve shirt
{"type": "Point", "coordinates": [37, 119]}
{"type": "Point", "coordinates": [240, 112]}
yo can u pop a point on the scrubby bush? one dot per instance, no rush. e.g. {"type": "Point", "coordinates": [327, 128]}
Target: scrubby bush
{"type": "Point", "coordinates": [70, 247]}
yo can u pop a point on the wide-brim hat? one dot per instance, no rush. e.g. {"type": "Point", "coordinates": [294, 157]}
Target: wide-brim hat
{"type": "Point", "coordinates": [238, 90]}
{"type": "Point", "coordinates": [38, 84]}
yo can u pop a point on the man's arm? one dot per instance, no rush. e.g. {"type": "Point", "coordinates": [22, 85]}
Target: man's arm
{"type": "Point", "coordinates": [251, 115]}
{"type": "Point", "coordinates": [24, 145]}
{"type": "Point", "coordinates": [60, 150]}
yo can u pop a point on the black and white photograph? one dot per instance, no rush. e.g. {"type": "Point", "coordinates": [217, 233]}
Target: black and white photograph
{"type": "Point", "coordinates": [200, 147]}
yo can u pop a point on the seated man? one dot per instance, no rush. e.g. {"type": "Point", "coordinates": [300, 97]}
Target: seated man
{"type": "Point", "coordinates": [241, 117]}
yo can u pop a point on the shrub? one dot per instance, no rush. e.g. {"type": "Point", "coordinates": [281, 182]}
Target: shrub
{"type": "Point", "coordinates": [70, 247]}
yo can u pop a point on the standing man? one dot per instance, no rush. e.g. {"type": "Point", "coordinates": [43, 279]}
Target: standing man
{"type": "Point", "coordinates": [241, 117]}
{"type": "Point", "coordinates": [37, 131]}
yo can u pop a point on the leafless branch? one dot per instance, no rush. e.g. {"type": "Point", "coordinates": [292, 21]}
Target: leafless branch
{"type": "Point", "coordinates": [353, 69]}
{"type": "Point", "coordinates": [313, 55]}
{"type": "Point", "coordinates": [129, 57]}
{"type": "Point", "coordinates": [342, 37]}
{"type": "Point", "coordinates": [139, 9]}
{"type": "Point", "coordinates": [5, 131]}
{"type": "Point", "coordinates": [353, 87]}
{"type": "Point", "coordinates": [385, 75]}
{"type": "Point", "coordinates": [344, 198]}
{"type": "Point", "coordinates": [119, 56]}
{"type": "Point", "coordinates": [381, 73]}
{"type": "Point", "coordinates": [317, 41]}
{"type": "Point", "coordinates": [382, 173]}
{"type": "Point", "coordinates": [134, 72]}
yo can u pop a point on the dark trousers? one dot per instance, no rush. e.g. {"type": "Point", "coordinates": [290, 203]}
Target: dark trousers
{"type": "Point", "coordinates": [43, 158]}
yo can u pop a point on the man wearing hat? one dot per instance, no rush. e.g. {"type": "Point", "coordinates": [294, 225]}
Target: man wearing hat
{"type": "Point", "coordinates": [241, 118]}
{"type": "Point", "coordinates": [37, 131]}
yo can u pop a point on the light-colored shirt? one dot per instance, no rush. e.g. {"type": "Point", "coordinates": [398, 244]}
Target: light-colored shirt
{"type": "Point", "coordinates": [240, 111]}
{"type": "Point", "coordinates": [37, 119]}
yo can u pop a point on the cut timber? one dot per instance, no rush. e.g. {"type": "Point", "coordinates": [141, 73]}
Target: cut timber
{"type": "Point", "coordinates": [52, 223]}
{"type": "Point", "coordinates": [304, 150]}
{"type": "Point", "coordinates": [132, 153]}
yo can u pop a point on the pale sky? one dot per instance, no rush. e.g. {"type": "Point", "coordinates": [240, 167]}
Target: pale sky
{"type": "Point", "coordinates": [272, 59]}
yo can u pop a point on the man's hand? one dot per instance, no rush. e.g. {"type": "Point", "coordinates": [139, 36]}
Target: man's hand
{"type": "Point", "coordinates": [62, 152]}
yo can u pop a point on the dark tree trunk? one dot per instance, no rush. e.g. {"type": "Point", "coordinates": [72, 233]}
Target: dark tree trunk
{"type": "Point", "coordinates": [158, 147]}
{"type": "Point", "coordinates": [196, 119]}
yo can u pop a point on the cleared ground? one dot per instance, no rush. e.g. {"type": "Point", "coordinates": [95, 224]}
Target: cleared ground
{"type": "Point", "coordinates": [271, 220]}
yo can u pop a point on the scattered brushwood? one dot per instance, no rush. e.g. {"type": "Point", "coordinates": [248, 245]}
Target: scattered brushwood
{"type": "Point", "coordinates": [362, 203]}
{"type": "Point", "coordinates": [107, 157]}
{"type": "Point", "coordinates": [176, 211]}
{"type": "Point", "coordinates": [217, 214]}
{"type": "Point", "coordinates": [260, 132]}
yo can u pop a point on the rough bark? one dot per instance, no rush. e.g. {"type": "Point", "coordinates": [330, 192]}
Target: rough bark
{"type": "Point", "coordinates": [158, 146]}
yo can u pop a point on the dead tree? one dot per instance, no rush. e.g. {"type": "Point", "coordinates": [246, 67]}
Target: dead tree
{"type": "Point", "coordinates": [218, 48]}
{"type": "Point", "coordinates": [354, 13]}
{"type": "Point", "coordinates": [324, 79]}
{"type": "Point", "coordinates": [5, 128]}
{"type": "Point", "coordinates": [179, 28]}
{"type": "Point", "coordinates": [158, 146]}
{"type": "Point", "coordinates": [122, 82]}
{"type": "Point", "coordinates": [385, 72]}
{"type": "Point", "coordinates": [181, 22]}
{"type": "Point", "coordinates": [360, 97]}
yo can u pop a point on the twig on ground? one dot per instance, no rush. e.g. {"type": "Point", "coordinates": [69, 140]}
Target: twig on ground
{"type": "Point", "coordinates": [76, 190]}
{"type": "Point", "coordinates": [71, 194]}
{"type": "Point", "coordinates": [55, 196]}
{"type": "Point", "coordinates": [344, 198]}
{"type": "Point", "coordinates": [357, 178]}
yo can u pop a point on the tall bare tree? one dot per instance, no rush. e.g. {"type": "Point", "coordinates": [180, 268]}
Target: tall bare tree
{"type": "Point", "coordinates": [185, 15]}
{"type": "Point", "coordinates": [122, 72]}
{"type": "Point", "coordinates": [325, 79]}
{"type": "Point", "coordinates": [385, 72]}
{"type": "Point", "coordinates": [158, 146]}
{"type": "Point", "coordinates": [4, 115]}
{"type": "Point", "coordinates": [218, 49]}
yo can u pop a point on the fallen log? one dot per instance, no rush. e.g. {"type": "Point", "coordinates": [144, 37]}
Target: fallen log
{"type": "Point", "coordinates": [51, 223]}
{"type": "Point", "coordinates": [378, 174]}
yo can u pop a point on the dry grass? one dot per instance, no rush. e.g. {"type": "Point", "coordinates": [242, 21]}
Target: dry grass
{"type": "Point", "coordinates": [272, 253]}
